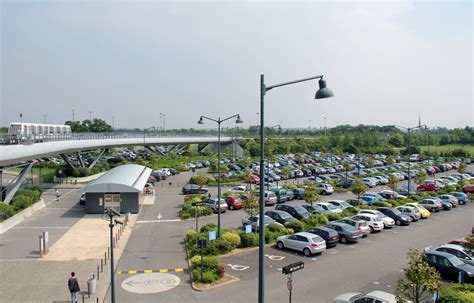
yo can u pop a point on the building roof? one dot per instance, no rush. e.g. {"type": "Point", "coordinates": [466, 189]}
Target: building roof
{"type": "Point", "coordinates": [125, 178]}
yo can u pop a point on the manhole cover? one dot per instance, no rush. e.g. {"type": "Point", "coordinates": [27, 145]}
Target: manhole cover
{"type": "Point", "coordinates": [150, 283]}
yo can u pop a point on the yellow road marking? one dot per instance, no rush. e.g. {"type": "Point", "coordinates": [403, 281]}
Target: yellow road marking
{"type": "Point", "coordinates": [163, 270]}
{"type": "Point", "coordinates": [147, 271]}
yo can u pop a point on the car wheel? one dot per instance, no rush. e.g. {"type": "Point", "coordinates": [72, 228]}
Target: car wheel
{"type": "Point", "coordinates": [231, 207]}
{"type": "Point", "coordinates": [307, 252]}
{"type": "Point", "coordinates": [398, 222]}
{"type": "Point", "coordinates": [343, 240]}
{"type": "Point", "coordinates": [371, 229]}
{"type": "Point", "coordinates": [324, 192]}
{"type": "Point", "coordinates": [280, 245]}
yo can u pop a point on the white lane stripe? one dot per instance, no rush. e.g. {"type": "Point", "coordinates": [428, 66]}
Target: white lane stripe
{"type": "Point", "coordinates": [65, 208]}
{"type": "Point", "coordinates": [159, 221]}
{"type": "Point", "coordinates": [44, 227]}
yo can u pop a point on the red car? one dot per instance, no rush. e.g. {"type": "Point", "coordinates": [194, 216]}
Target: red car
{"type": "Point", "coordinates": [468, 188]}
{"type": "Point", "coordinates": [255, 179]}
{"type": "Point", "coordinates": [428, 186]}
{"type": "Point", "coordinates": [234, 202]}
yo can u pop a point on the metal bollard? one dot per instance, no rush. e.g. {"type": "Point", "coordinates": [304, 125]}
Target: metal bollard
{"type": "Point", "coordinates": [82, 297]}
{"type": "Point", "coordinates": [105, 258]}
{"type": "Point", "coordinates": [101, 265]}
{"type": "Point", "coordinates": [108, 252]}
{"type": "Point", "coordinates": [97, 272]}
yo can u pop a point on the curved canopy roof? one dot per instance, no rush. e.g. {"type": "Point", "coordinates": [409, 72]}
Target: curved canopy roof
{"type": "Point", "coordinates": [126, 178]}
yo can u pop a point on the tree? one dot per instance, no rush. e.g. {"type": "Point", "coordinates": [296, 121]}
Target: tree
{"type": "Point", "coordinates": [392, 182]}
{"type": "Point", "coordinates": [251, 206]}
{"type": "Point", "coordinates": [347, 167]}
{"type": "Point", "coordinates": [358, 188]}
{"type": "Point", "coordinates": [285, 172]}
{"type": "Point", "coordinates": [370, 162]}
{"type": "Point", "coordinates": [419, 178]}
{"type": "Point", "coordinates": [420, 279]}
{"type": "Point", "coordinates": [311, 194]}
{"type": "Point", "coordinates": [461, 170]}
{"type": "Point", "coordinates": [200, 179]}
{"type": "Point", "coordinates": [248, 177]}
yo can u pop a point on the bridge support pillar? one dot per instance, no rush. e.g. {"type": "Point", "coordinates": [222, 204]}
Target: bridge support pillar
{"type": "Point", "coordinates": [9, 191]}
{"type": "Point", "coordinates": [232, 148]}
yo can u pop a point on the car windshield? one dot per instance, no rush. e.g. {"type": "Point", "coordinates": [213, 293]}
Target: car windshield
{"type": "Point", "coordinates": [396, 212]}
{"type": "Point", "coordinates": [301, 210]}
{"type": "Point", "coordinates": [455, 261]}
{"type": "Point", "coordinates": [316, 239]}
{"type": "Point", "coordinates": [349, 228]}
{"type": "Point", "coordinates": [285, 215]}
{"type": "Point", "coordinates": [268, 220]}
{"type": "Point", "coordinates": [330, 206]}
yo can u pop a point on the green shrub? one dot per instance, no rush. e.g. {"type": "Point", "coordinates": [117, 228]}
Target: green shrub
{"type": "Point", "coordinates": [21, 202]}
{"type": "Point", "coordinates": [417, 197]}
{"type": "Point", "coordinates": [208, 227]}
{"type": "Point", "coordinates": [6, 211]}
{"type": "Point", "coordinates": [297, 226]}
{"type": "Point", "coordinates": [315, 220]}
{"type": "Point", "coordinates": [191, 235]}
{"type": "Point", "coordinates": [232, 238]}
{"type": "Point", "coordinates": [382, 204]}
{"type": "Point", "coordinates": [275, 227]}
{"type": "Point", "coordinates": [36, 188]}
{"type": "Point", "coordinates": [209, 276]}
{"type": "Point", "coordinates": [459, 293]}
{"type": "Point", "coordinates": [208, 262]}
{"type": "Point", "coordinates": [185, 215]}
{"type": "Point", "coordinates": [333, 217]}
{"type": "Point", "coordinates": [248, 240]}
{"type": "Point", "coordinates": [349, 212]}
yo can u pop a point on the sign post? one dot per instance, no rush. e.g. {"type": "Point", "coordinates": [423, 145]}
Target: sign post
{"type": "Point", "coordinates": [288, 270]}
{"type": "Point", "coordinates": [45, 242]}
{"type": "Point", "coordinates": [197, 204]}
{"type": "Point", "coordinates": [201, 245]}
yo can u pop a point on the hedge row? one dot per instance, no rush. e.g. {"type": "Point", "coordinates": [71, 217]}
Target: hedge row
{"type": "Point", "coordinates": [189, 211]}
{"type": "Point", "coordinates": [211, 269]}
{"type": "Point", "coordinates": [459, 293]}
{"type": "Point", "coordinates": [22, 199]}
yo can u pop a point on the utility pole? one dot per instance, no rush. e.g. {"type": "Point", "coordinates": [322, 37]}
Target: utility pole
{"type": "Point", "coordinates": [90, 116]}
{"type": "Point", "coordinates": [325, 128]}
{"type": "Point", "coordinates": [73, 115]}
{"type": "Point", "coordinates": [113, 122]}
{"type": "Point", "coordinates": [21, 118]}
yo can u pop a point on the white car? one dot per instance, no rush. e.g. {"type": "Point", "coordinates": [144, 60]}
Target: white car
{"type": "Point", "coordinates": [387, 221]}
{"type": "Point", "coordinates": [369, 182]}
{"type": "Point", "coordinates": [325, 189]}
{"type": "Point", "coordinates": [340, 204]}
{"type": "Point", "coordinates": [375, 222]}
{"type": "Point", "coordinates": [239, 189]}
{"type": "Point", "coordinates": [307, 243]}
{"type": "Point", "coordinates": [373, 296]}
{"type": "Point", "coordinates": [329, 207]}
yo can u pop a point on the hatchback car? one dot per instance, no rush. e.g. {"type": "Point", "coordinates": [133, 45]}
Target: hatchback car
{"type": "Point", "coordinates": [454, 249]}
{"type": "Point", "coordinates": [329, 235]}
{"type": "Point", "coordinates": [315, 209]}
{"type": "Point", "coordinates": [462, 197]}
{"type": "Point", "coordinates": [375, 296]}
{"type": "Point", "coordinates": [428, 186]}
{"type": "Point", "coordinates": [296, 211]}
{"type": "Point", "coordinates": [431, 204]}
{"type": "Point", "coordinates": [253, 220]}
{"type": "Point", "coordinates": [298, 193]}
{"type": "Point", "coordinates": [387, 221]}
{"type": "Point", "coordinates": [375, 222]}
{"type": "Point", "coordinates": [410, 211]}
{"type": "Point", "coordinates": [214, 205]}
{"type": "Point", "coordinates": [234, 202]}
{"type": "Point", "coordinates": [360, 225]}
{"type": "Point", "coordinates": [346, 232]}
{"type": "Point", "coordinates": [238, 189]}
{"type": "Point", "coordinates": [340, 204]}
{"type": "Point", "coordinates": [193, 189]}
{"type": "Point", "coordinates": [449, 265]}
{"type": "Point", "coordinates": [280, 216]}
{"type": "Point", "coordinates": [423, 211]}
{"type": "Point", "coordinates": [305, 242]}
{"type": "Point", "coordinates": [324, 188]}
{"type": "Point", "coordinates": [329, 207]}
{"type": "Point", "coordinates": [449, 198]}
{"type": "Point", "coordinates": [396, 215]}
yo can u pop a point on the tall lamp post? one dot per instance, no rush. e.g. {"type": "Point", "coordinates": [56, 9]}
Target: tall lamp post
{"type": "Point", "coordinates": [409, 130]}
{"type": "Point", "coordinates": [109, 212]}
{"type": "Point", "coordinates": [219, 121]}
{"type": "Point", "coordinates": [322, 93]}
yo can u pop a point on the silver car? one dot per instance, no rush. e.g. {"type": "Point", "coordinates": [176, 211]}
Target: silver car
{"type": "Point", "coordinates": [248, 220]}
{"type": "Point", "coordinates": [387, 221]}
{"type": "Point", "coordinates": [213, 204]}
{"type": "Point", "coordinates": [410, 211]}
{"type": "Point", "coordinates": [307, 243]}
{"type": "Point", "coordinates": [454, 249]}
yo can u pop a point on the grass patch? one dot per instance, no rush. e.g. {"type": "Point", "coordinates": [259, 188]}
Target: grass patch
{"type": "Point", "coordinates": [47, 174]}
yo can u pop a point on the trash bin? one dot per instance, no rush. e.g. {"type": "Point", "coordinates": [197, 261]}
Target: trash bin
{"type": "Point", "coordinates": [91, 285]}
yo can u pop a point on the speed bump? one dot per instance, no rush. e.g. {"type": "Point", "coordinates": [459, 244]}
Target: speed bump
{"type": "Point", "coordinates": [149, 271]}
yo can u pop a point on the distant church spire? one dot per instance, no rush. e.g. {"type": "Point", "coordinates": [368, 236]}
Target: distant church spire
{"type": "Point", "coordinates": [419, 120]}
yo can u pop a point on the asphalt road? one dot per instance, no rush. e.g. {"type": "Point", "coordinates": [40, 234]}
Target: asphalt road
{"type": "Point", "coordinates": [374, 263]}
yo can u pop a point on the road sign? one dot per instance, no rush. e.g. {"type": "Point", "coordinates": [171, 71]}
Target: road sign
{"type": "Point", "coordinates": [197, 204]}
{"type": "Point", "coordinates": [292, 267]}
{"type": "Point", "coordinates": [202, 244]}
{"type": "Point", "coordinates": [248, 229]}
{"type": "Point", "coordinates": [212, 235]}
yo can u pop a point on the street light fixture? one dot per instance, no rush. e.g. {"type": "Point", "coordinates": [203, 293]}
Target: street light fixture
{"type": "Point", "coordinates": [219, 121]}
{"type": "Point", "coordinates": [111, 213]}
{"type": "Point", "coordinates": [322, 93]}
{"type": "Point", "coordinates": [409, 130]}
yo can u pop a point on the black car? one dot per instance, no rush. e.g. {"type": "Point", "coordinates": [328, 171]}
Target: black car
{"type": "Point", "coordinates": [345, 184]}
{"type": "Point", "coordinates": [329, 235]}
{"type": "Point", "coordinates": [396, 215]}
{"type": "Point", "coordinates": [193, 189]}
{"type": "Point", "coordinates": [315, 209]}
{"type": "Point", "coordinates": [449, 265]}
{"type": "Point", "coordinates": [280, 216]}
{"type": "Point", "coordinates": [298, 192]}
{"type": "Point", "coordinates": [346, 232]}
{"type": "Point", "coordinates": [296, 211]}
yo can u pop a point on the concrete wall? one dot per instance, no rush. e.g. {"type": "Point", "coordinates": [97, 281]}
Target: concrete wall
{"type": "Point", "coordinates": [129, 202]}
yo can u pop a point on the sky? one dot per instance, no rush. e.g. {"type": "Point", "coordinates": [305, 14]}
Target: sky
{"type": "Point", "coordinates": [386, 62]}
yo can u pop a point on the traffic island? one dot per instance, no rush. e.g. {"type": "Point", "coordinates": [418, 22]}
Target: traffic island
{"type": "Point", "coordinates": [225, 280]}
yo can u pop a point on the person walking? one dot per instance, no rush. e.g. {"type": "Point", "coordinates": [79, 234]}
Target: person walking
{"type": "Point", "coordinates": [73, 286]}
{"type": "Point", "coordinates": [58, 195]}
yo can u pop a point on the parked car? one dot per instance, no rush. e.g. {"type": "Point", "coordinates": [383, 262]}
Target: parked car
{"type": "Point", "coordinates": [346, 232]}
{"type": "Point", "coordinates": [324, 188]}
{"type": "Point", "coordinates": [299, 193]}
{"type": "Point", "coordinates": [375, 222]}
{"type": "Point", "coordinates": [281, 195]}
{"type": "Point", "coordinates": [428, 186]}
{"type": "Point", "coordinates": [329, 235]}
{"type": "Point", "coordinates": [193, 189]}
{"type": "Point", "coordinates": [449, 265]}
{"type": "Point", "coordinates": [410, 211]}
{"type": "Point", "coordinates": [296, 211]}
{"type": "Point", "coordinates": [449, 198]}
{"type": "Point", "coordinates": [369, 199]}
{"type": "Point", "coordinates": [462, 197]}
{"type": "Point", "coordinates": [214, 205]}
{"type": "Point", "coordinates": [82, 199]}
{"type": "Point", "coordinates": [239, 189]}
{"type": "Point", "coordinates": [387, 221]}
{"type": "Point", "coordinates": [346, 184]}
{"type": "Point", "coordinates": [315, 209]}
{"type": "Point", "coordinates": [423, 211]}
{"type": "Point", "coordinates": [375, 296]}
{"type": "Point", "coordinates": [290, 195]}
{"type": "Point", "coordinates": [454, 249]}
{"type": "Point", "coordinates": [305, 242]}
{"type": "Point", "coordinates": [431, 204]}
{"type": "Point", "coordinates": [253, 220]}
{"type": "Point", "coordinates": [396, 215]}
{"type": "Point", "coordinates": [468, 188]}
{"type": "Point", "coordinates": [329, 207]}
{"type": "Point", "coordinates": [234, 202]}
{"type": "Point", "coordinates": [360, 225]}
{"type": "Point", "coordinates": [340, 204]}
{"type": "Point", "coordinates": [270, 198]}
{"type": "Point", "coordinates": [280, 216]}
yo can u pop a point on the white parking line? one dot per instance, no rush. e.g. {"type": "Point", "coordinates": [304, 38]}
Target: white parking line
{"type": "Point", "coordinates": [159, 221]}
{"type": "Point", "coordinates": [43, 227]}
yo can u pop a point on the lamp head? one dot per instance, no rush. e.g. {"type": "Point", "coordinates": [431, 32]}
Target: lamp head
{"type": "Point", "coordinates": [238, 121]}
{"type": "Point", "coordinates": [200, 121]}
{"type": "Point", "coordinates": [323, 91]}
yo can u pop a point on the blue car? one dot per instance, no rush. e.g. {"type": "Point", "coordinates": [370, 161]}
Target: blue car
{"type": "Point", "coordinates": [369, 199]}
{"type": "Point", "coordinates": [462, 197]}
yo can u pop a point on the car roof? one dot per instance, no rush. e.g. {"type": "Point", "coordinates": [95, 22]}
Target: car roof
{"type": "Point", "coordinates": [323, 228]}
{"type": "Point", "coordinates": [368, 215]}
{"type": "Point", "coordinates": [453, 246]}
{"type": "Point", "coordinates": [439, 253]}
{"type": "Point", "coordinates": [306, 234]}
{"type": "Point", "coordinates": [382, 295]}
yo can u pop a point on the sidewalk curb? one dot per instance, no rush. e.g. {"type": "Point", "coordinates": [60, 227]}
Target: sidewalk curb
{"type": "Point", "coordinates": [232, 280]}
{"type": "Point", "coordinates": [193, 287]}
{"type": "Point", "coordinates": [22, 215]}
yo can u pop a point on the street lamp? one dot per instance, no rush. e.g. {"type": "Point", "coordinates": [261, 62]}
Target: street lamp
{"type": "Point", "coordinates": [323, 92]}
{"type": "Point", "coordinates": [111, 213]}
{"type": "Point", "coordinates": [409, 129]}
{"type": "Point", "coordinates": [219, 121]}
